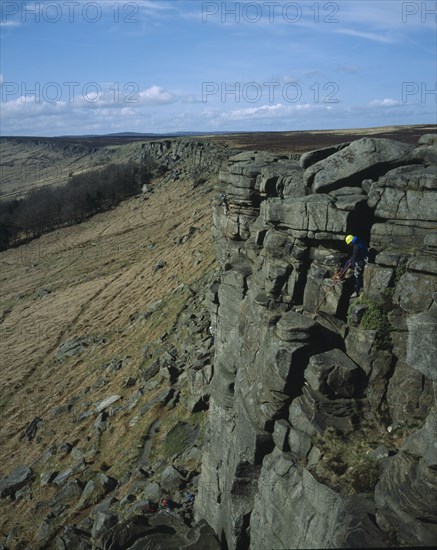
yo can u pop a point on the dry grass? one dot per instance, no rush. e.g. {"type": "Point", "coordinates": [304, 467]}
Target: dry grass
{"type": "Point", "coordinates": [100, 273]}
{"type": "Point", "coordinates": [302, 141]}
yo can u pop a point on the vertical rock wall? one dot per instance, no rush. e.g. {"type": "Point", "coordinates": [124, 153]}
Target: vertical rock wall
{"type": "Point", "coordinates": [323, 421]}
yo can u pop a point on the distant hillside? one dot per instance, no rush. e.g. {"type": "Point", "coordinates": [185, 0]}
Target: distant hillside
{"type": "Point", "coordinates": [30, 162]}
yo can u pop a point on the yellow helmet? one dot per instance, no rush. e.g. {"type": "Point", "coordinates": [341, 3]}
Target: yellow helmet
{"type": "Point", "coordinates": [349, 239]}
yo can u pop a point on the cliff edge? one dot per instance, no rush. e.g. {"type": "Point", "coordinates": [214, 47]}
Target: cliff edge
{"type": "Point", "coordinates": [322, 420]}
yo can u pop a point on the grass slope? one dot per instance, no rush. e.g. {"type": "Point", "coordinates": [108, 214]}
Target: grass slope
{"type": "Point", "coordinates": [89, 281]}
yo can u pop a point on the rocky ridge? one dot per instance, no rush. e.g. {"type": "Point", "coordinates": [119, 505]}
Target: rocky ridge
{"type": "Point", "coordinates": [321, 426]}
{"type": "Point", "coordinates": [35, 163]}
{"type": "Point", "coordinates": [322, 422]}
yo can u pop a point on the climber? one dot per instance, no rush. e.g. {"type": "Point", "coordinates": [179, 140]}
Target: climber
{"type": "Point", "coordinates": [224, 203]}
{"type": "Point", "coordinates": [357, 261]}
{"type": "Point", "coordinates": [167, 504]}
{"type": "Point", "coordinates": [211, 333]}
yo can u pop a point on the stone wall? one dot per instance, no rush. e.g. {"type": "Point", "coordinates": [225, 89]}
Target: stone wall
{"type": "Point", "coordinates": [322, 422]}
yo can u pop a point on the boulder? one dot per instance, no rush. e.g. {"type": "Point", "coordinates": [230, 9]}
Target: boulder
{"type": "Point", "coordinates": [32, 428]}
{"type": "Point", "coordinates": [95, 490]}
{"type": "Point", "coordinates": [376, 280]}
{"type": "Point", "coordinates": [295, 327]}
{"type": "Point", "coordinates": [351, 203]}
{"type": "Point", "coordinates": [364, 158]}
{"type": "Point", "coordinates": [299, 443]}
{"type": "Point", "coordinates": [334, 374]}
{"type": "Point", "coordinates": [72, 537]}
{"type": "Point", "coordinates": [282, 179]}
{"type": "Point", "coordinates": [20, 477]}
{"type": "Point", "coordinates": [63, 476]}
{"type": "Point", "coordinates": [426, 151]}
{"type": "Point", "coordinates": [103, 522]}
{"type": "Point", "coordinates": [409, 393]}
{"type": "Point", "coordinates": [311, 157]}
{"type": "Point", "coordinates": [170, 479]}
{"type": "Point", "coordinates": [69, 493]}
{"type": "Point", "coordinates": [414, 291]}
{"type": "Point", "coordinates": [405, 194]}
{"type": "Point", "coordinates": [405, 498]}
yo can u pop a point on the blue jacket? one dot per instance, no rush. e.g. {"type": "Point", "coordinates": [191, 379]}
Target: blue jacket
{"type": "Point", "coordinates": [360, 252]}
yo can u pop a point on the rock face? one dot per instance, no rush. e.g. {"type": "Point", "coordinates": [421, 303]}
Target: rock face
{"type": "Point", "coordinates": [186, 156]}
{"type": "Point", "coordinates": [309, 386]}
{"type": "Point", "coordinates": [364, 158]}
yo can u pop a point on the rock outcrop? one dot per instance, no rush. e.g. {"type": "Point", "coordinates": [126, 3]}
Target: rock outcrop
{"type": "Point", "coordinates": [322, 414]}
{"type": "Point", "coordinates": [322, 423]}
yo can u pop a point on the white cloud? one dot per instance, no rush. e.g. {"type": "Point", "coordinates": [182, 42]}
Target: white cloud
{"type": "Point", "coordinates": [387, 102]}
{"type": "Point", "coordinates": [155, 95]}
{"type": "Point", "coordinates": [30, 107]}
{"type": "Point", "coordinates": [9, 23]}
{"type": "Point", "coordinates": [273, 111]}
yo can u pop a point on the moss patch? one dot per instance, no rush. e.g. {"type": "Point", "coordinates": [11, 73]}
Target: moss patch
{"type": "Point", "coordinates": [174, 433]}
{"type": "Point", "coordinates": [375, 317]}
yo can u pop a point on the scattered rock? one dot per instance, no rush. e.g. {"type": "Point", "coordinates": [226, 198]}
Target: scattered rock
{"type": "Point", "coordinates": [159, 265]}
{"type": "Point", "coordinates": [73, 537]}
{"type": "Point", "coordinates": [15, 481]}
{"type": "Point", "coordinates": [95, 490]}
{"type": "Point", "coordinates": [32, 428]}
{"type": "Point", "coordinates": [103, 405]}
{"type": "Point", "coordinates": [103, 523]}
{"type": "Point", "coordinates": [47, 477]}
{"type": "Point", "coordinates": [170, 479]}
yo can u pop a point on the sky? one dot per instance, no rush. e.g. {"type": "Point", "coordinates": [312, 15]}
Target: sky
{"type": "Point", "coordinates": [74, 67]}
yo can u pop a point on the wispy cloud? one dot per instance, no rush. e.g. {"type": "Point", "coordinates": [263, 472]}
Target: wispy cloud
{"type": "Point", "coordinates": [272, 111]}
{"type": "Point", "coordinates": [387, 102]}
{"type": "Point", "coordinates": [373, 36]}
{"type": "Point", "coordinates": [11, 23]}
{"type": "Point", "coordinates": [349, 69]}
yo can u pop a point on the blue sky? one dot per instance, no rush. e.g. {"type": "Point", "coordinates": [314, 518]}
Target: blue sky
{"type": "Point", "coordinates": [81, 67]}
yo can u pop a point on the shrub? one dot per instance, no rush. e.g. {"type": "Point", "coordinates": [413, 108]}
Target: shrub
{"type": "Point", "coordinates": [375, 317]}
{"type": "Point", "coordinates": [345, 464]}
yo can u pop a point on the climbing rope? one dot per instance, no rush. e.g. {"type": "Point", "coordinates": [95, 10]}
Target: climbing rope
{"type": "Point", "coordinates": [337, 278]}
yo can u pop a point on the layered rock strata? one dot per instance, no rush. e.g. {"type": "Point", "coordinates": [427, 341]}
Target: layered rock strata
{"type": "Point", "coordinates": [322, 422]}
